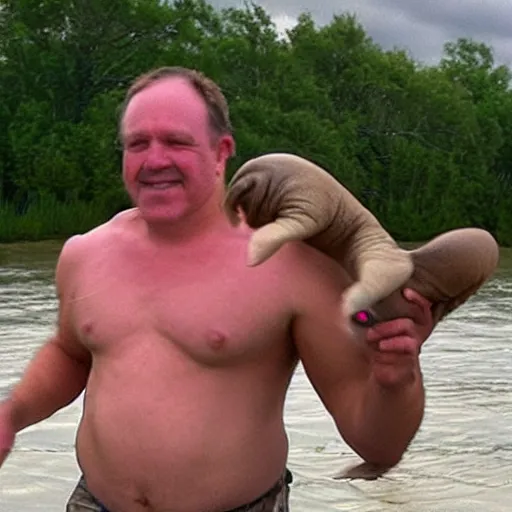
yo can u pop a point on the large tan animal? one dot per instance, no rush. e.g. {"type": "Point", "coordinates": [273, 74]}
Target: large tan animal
{"type": "Point", "coordinates": [286, 197]}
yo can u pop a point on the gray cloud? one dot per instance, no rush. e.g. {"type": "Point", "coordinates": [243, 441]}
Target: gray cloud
{"type": "Point", "coordinates": [419, 26]}
{"type": "Point", "coordinates": [476, 17]}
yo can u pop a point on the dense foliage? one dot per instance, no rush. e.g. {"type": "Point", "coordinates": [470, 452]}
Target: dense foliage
{"type": "Point", "coordinates": [426, 148]}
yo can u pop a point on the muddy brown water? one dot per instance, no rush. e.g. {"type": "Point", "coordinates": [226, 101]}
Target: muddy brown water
{"type": "Point", "coordinates": [460, 461]}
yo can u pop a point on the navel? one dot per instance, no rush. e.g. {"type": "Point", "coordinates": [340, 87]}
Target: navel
{"type": "Point", "coordinates": [144, 502]}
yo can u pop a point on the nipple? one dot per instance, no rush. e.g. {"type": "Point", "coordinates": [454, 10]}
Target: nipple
{"type": "Point", "coordinates": [87, 328]}
{"type": "Point", "coordinates": [216, 340]}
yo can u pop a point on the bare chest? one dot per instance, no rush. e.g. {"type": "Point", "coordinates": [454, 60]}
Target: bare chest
{"type": "Point", "coordinates": [215, 313]}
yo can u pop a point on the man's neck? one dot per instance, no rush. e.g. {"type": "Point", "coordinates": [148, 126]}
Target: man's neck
{"type": "Point", "coordinates": [195, 227]}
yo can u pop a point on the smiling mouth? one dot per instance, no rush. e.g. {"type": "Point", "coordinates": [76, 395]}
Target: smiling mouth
{"type": "Point", "coordinates": [161, 185]}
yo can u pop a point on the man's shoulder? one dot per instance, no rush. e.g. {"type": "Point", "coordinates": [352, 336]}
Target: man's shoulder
{"type": "Point", "coordinates": [298, 255]}
{"type": "Point", "coordinates": [313, 273]}
{"type": "Point", "coordinates": [309, 260]}
{"type": "Point", "coordinates": [81, 245]}
{"type": "Point", "coordinates": [121, 222]}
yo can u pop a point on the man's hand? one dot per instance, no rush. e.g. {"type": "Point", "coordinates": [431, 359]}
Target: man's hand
{"type": "Point", "coordinates": [395, 345]}
{"type": "Point", "coordinates": [7, 431]}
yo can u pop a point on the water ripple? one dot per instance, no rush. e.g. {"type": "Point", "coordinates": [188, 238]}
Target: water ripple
{"type": "Point", "coordinates": [460, 461]}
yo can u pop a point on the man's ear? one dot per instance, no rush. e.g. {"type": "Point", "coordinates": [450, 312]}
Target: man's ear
{"type": "Point", "coordinates": [225, 150]}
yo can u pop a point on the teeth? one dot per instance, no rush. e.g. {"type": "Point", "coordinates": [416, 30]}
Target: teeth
{"type": "Point", "coordinates": [162, 185]}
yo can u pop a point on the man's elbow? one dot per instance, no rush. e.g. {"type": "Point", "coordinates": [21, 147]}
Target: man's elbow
{"type": "Point", "coordinates": [379, 453]}
{"type": "Point", "coordinates": [386, 458]}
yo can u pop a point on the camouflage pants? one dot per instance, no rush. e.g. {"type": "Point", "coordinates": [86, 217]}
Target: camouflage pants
{"type": "Point", "coordinates": [274, 500]}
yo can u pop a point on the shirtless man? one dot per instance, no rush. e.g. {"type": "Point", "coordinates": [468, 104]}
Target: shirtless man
{"type": "Point", "coordinates": [185, 353]}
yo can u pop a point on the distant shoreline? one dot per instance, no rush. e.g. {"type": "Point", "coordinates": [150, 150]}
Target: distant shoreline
{"type": "Point", "coordinates": [404, 244]}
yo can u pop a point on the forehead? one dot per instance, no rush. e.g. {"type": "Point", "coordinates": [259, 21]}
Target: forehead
{"type": "Point", "coordinates": [168, 104]}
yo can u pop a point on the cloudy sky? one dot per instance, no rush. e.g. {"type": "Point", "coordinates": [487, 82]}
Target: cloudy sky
{"type": "Point", "coordinates": [420, 26]}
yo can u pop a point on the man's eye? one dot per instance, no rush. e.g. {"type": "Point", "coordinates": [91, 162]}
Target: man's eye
{"type": "Point", "coordinates": [176, 142]}
{"type": "Point", "coordinates": [136, 145]}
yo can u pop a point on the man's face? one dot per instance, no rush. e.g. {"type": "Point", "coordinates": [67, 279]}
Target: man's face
{"type": "Point", "coordinates": [171, 166]}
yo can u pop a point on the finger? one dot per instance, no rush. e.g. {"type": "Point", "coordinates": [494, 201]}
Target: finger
{"type": "Point", "coordinates": [399, 345]}
{"type": "Point", "coordinates": [415, 297]}
{"type": "Point", "coordinates": [423, 306]}
{"type": "Point", "coordinates": [391, 329]}
{"type": "Point", "coordinates": [391, 359]}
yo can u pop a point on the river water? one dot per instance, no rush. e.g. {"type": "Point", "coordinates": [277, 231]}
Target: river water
{"type": "Point", "coordinates": [460, 461]}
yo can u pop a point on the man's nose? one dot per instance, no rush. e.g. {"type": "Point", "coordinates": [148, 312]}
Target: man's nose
{"type": "Point", "coordinates": [157, 157]}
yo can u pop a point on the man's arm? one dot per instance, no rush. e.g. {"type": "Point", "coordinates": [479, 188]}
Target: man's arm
{"type": "Point", "coordinates": [376, 397]}
{"type": "Point", "coordinates": [59, 371]}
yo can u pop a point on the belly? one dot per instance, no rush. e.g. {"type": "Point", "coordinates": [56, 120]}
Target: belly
{"type": "Point", "coordinates": [182, 441]}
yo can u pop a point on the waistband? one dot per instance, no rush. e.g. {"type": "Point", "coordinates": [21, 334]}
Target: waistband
{"type": "Point", "coordinates": [284, 481]}
{"type": "Point", "coordinates": [82, 499]}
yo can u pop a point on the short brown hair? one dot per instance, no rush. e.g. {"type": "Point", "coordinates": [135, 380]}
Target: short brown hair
{"type": "Point", "coordinates": [216, 104]}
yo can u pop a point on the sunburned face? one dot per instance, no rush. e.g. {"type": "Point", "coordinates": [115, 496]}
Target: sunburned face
{"type": "Point", "coordinates": [171, 165]}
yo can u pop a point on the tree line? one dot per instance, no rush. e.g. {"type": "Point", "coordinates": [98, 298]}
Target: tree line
{"type": "Point", "coordinates": [425, 148]}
